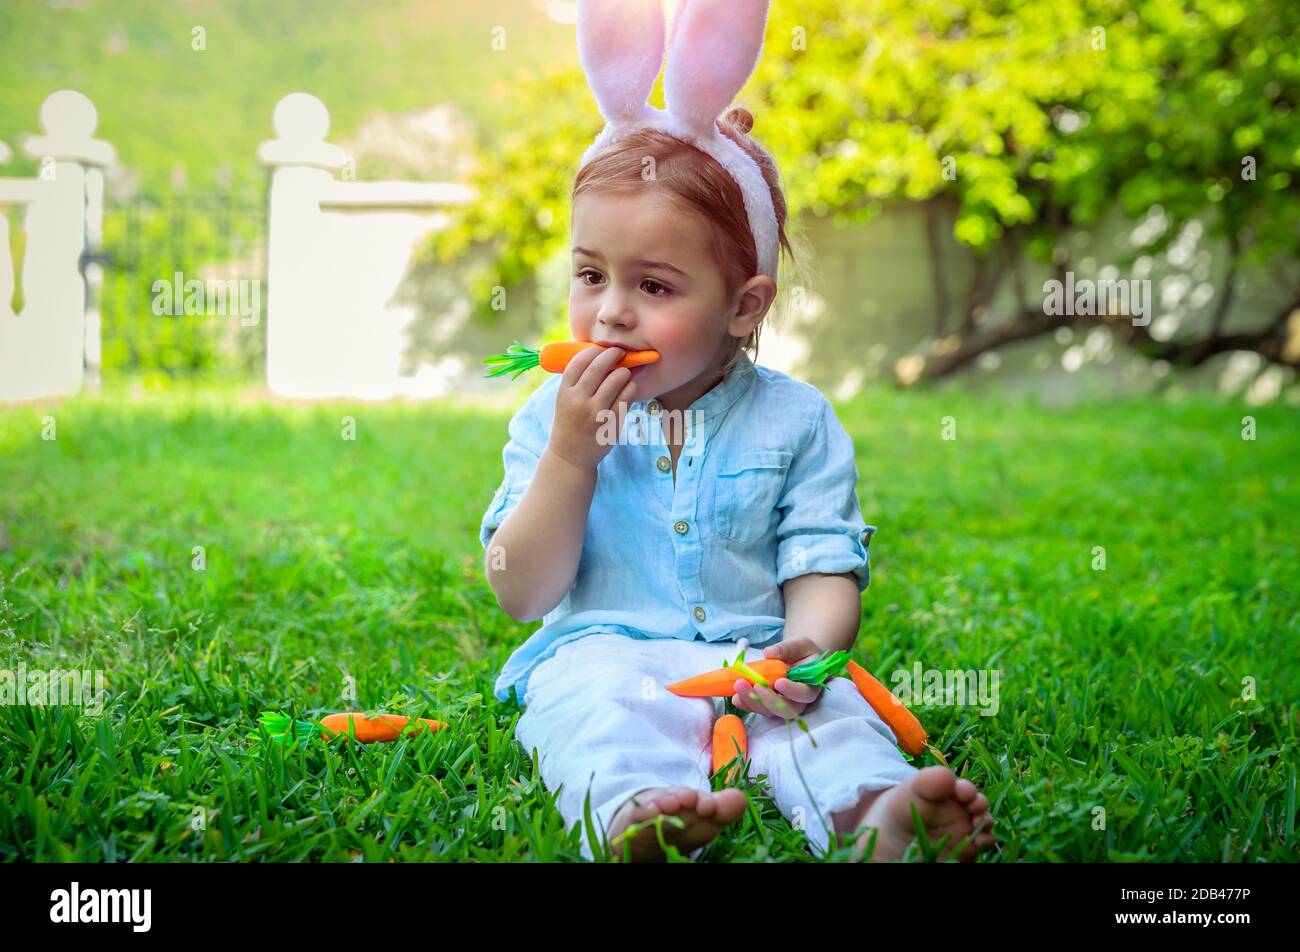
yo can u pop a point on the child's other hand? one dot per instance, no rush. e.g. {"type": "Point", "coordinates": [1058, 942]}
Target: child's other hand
{"type": "Point", "coordinates": [790, 698]}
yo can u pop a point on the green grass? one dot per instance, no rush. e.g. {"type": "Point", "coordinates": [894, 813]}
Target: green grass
{"type": "Point", "coordinates": [1120, 689]}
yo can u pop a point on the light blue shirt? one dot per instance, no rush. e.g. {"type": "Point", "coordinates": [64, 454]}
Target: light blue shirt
{"type": "Point", "coordinates": [766, 490]}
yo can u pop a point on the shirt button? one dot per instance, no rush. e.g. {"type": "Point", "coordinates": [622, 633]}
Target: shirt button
{"type": "Point", "coordinates": [664, 464]}
{"type": "Point", "coordinates": [699, 613]}
{"type": "Point", "coordinates": [680, 527]}
{"type": "Point", "coordinates": [865, 538]}
{"type": "Point", "coordinates": [653, 406]}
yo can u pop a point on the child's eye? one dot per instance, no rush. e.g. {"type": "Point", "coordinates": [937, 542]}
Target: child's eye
{"type": "Point", "coordinates": [655, 284]}
{"type": "Point", "coordinates": [582, 276]}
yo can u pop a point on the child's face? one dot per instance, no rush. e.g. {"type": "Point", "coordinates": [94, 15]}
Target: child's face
{"type": "Point", "coordinates": [644, 278]}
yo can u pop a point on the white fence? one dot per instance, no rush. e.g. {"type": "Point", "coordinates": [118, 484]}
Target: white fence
{"type": "Point", "coordinates": [47, 346]}
{"type": "Point", "coordinates": [339, 251]}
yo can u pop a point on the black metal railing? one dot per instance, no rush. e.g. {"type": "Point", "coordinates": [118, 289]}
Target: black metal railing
{"type": "Point", "coordinates": [171, 264]}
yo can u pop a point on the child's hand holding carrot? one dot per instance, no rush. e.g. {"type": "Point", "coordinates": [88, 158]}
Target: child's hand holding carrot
{"type": "Point", "coordinates": [789, 699]}
{"type": "Point", "coordinates": [591, 384]}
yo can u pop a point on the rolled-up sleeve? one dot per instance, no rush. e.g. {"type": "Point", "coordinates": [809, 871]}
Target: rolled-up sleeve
{"type": "Point", "coordinates": [529, 435]}
{"type": "Point", "coordinates": [821, 527]}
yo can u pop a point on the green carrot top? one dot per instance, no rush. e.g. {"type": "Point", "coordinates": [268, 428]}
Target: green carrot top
{"type": "Point", "coordinates": [517, 358]}
{"type": "Point", "coordinates": [827, 665]}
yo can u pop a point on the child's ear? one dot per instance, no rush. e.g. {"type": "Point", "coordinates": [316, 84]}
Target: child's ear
{"type": "Point", "coordinates": [752, 303]}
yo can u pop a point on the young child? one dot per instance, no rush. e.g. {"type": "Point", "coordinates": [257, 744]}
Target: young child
{"type": "Point", "coordinates": [724, 509]}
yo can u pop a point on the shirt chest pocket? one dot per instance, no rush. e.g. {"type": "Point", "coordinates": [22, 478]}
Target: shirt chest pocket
{"type": "Point", "coordinates": [749, 486]}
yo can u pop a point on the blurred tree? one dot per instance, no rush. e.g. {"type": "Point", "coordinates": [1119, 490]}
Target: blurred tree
{"type": "Point", "coordinates": [1217, 138]}
{"type": "Point", "coordinates": [1192, 118]}
{"type": "Point", "coordinates": [1020, 120]}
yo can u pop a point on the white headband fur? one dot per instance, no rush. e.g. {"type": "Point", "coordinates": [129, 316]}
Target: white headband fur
{"type": "Point", "coordinates": [713, 49]}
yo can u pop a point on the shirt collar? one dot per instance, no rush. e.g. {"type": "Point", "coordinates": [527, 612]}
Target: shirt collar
{"type": "Point", "coordinates": [720, 399]}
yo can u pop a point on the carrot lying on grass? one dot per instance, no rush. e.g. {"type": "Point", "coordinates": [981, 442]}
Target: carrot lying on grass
{"type": "Point", "coordinates": [911, 735]}
{"type": "Point", "coordinates": [729, 742]}
{"type": "Point", "coordinates": [384, 727]}
{"type": "Point", "coordinates": [555, 357]}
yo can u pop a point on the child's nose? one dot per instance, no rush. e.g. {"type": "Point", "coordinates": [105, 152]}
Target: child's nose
{"type": "Point", "coordinates": [614, 319]}
{"type": "Point", "coordinates": [616, 309]}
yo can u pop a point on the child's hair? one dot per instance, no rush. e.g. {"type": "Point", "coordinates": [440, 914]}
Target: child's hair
{"type": "Point", "coordinates": [698, 184]}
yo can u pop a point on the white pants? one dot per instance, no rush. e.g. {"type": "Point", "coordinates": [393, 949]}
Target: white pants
{"type": "Point", "coordinates": [601, 722]}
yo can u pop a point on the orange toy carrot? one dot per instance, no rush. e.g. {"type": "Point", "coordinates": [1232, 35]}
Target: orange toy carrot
{"type": "Point", "coordinates": [729, 741]}
{"type": "Point", "coordinates": [382, 728]}
{"type": "Point", "coordinates": [764, 671]}
{"type": "Point", "coordinates": [722, 682]}
{"type": "Point", "coordinates": [911, 735]}
{"type": "Point", "coordinates": [385, 727]}
{"type": "Point", "coordinates": [555, 357]}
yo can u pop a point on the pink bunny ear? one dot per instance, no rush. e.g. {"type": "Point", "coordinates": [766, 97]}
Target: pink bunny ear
{"type": "Point", "coordinates": [621, 47]}
{"type": "Point", "coordinates": [714, 48]}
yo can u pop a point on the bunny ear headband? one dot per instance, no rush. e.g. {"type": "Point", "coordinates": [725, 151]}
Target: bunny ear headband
{"type": "Point", "coordinates": [713, 49]}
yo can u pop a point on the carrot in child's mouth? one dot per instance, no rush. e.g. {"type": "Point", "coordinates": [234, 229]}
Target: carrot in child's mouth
{"type": "Point", "coordinates": [555, 357]}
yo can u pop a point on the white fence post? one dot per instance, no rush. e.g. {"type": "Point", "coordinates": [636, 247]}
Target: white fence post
{"type": "Point", "coordinates": [43, 349]}
{"type": "Point", "coordinates": [337, 253]}
{"type": "Point", "coordinates": [302, 162]}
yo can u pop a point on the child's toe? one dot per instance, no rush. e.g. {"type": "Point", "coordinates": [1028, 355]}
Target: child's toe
{"type": "Point", "coordinates": [934, 783]}
{"type": "Point", "coordinates": [688, 798]}
{"type": "Point", "coordinates": [965, 791]}
{"type": "Point", "coordinates": [670, 801]}
{"type": "Point", "coordinates": [729, 806]}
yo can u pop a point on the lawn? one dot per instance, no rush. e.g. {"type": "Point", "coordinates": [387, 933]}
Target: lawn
{"type": "Point", "coordinates": [1147, 710]}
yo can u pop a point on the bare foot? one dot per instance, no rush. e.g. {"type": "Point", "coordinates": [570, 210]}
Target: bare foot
{"type": "Point", "coordinates": [703, 816]}
{"type": "Point", "coordinates": [948, 806]}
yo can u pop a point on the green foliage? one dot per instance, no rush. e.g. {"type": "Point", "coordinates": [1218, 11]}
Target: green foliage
{"type": "Point", "coordinates": [523, 182]}
{"type": "Point", "coordinates": [1227, 78]}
